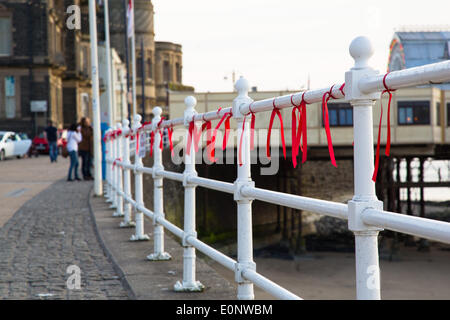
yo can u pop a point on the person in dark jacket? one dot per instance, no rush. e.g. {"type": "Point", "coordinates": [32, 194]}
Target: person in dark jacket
{"type": "Point", "coordinates": [51, 134]}
{"type": "Point", "coordinates": [85, 148]}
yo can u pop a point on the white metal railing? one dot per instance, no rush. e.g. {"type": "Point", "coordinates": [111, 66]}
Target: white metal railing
{"type": "Point", "coordinates": [364, 212]}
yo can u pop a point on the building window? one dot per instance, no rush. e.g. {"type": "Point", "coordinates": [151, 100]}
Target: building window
{"type": "Point", "coordinates": [340, 115]}
{"type": "Point", "coordinates": [10, 97]}
{"type": "Point", "coordinates": [448, 114]}
{"type": "Point", "coordinates": [5, 36]}
{"type": "Point", "coordinates": [139, 67]}
{"type": "Point", "coordinates": [150, 68]}
{"type": "Point", "coordinates": [438, 113]}
{"type": "Point", "coordinates": [178, 69]}
{"type": "Point", "coordinates": [413, 112]}
{"type": "Point", "coordinates": [166, 71]}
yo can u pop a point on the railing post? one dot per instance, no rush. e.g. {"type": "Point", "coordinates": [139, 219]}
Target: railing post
{"type": "Point", "coordinates": [366, 237]}
{"type": "Point", "coordinates": [158, 210]}
{"type": "Point", "coordinates": [126, 223]}
{"type": "Point", "coordinates": [119, 184]}
{"type": "Point", "coordinates": [189, 267]}
{"type": "Point", "coordinates": [138, 185]}
{"type": "Point", "coordinates": [108, 150]}
{"type": "Point", "coordinates": [244, 204]}
{"type": "Point", "coordinates": [113, 173]}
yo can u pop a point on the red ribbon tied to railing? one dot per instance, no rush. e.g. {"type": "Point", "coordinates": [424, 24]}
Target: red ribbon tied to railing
{"type": "Point", "coordinates": [169, 134]}
{"type": "Point", "coordinates": [275, 111]}
{"type": "Point", "coordinates": [207, 126]}
{"type": "Point", "coordinates": [160, 133]}
{"type": "Point", "coordinates": [327, 95]}
{"type": "Point", "coordinates": [225, 118]}
{"type": "Point", "coordinates": [115, 160]}
{"type": "Point", "coordinates": [137, 135]}
{"type": "Point", "coordinates": [388, 139]}
{"type": "Point", "coordinates": [252, 132]}
{"type": "Point", "coordinates": [299, 116]}
{"type": "Point", "coordinates": [193, 137]}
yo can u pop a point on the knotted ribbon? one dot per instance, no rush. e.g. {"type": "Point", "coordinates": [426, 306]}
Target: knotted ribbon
{"type": "Point", "coordinates": [225, 118]}
{"type": "Point", "coordinates": [193, 137]}
{"type": "Point", "coordinates": [252, 132]}
{"type": "Point", "coordinates": [277, 112]}
{"type": "Point", "coordinates": [207, 126]}
{"type": "Point", "coordinates": [115, 160]}
{"type": "Point", "coordinates": [299, 134]}
{"type": "Point", "coordinates": [388, 139]}
{"type": "Point", "coordinates": [169, 134]}
{"type": "Point", "coordinates": [137, 135]}
{"type": "Point", "coordinates": [326, 96]}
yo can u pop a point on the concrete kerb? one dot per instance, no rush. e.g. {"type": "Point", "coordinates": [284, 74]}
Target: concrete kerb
{"type": "Point", "coordinates": [108, 254]}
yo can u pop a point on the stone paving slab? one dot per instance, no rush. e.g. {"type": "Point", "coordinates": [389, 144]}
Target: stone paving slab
{"type": "Point", "coordinates": [47, 234]}
{"type": "Point", "coordinates": [149, 279]}
{"type": "Point", "coordinates": [22, 179]}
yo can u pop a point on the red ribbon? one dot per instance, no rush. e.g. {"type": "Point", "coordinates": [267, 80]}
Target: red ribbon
{"type": "Point", "coordinates": [252, 133]}
{"type": "Point", "coordinates": [327, 95]}
{"type": "Point", "coordinates": [105, 137]}
{"type": "Point", "coordinates": [207, 125]}
{"type": "Point", "coordinates": [277, 112]}
{"type": "Point", "coordinates": [152, 141]}
{"type": "Point", "coordinates": [137, 135]}
{"type": "Point", "coordinates": [226, 117]}
{"type": "Point", "coordinates": [169, 133]}
{"type": "Point", "coordinates": [299, 134]}
{"type": "Point", "coordinates": [194, 137]}
{"type": "Point", "coordinates": [115, 160]}
{"type": "Point", "coordinates": [388, 140]}
{"type": "Point", "coordinates": [160, 133]}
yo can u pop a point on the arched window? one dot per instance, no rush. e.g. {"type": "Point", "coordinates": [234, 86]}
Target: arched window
{"type": "Point", "coordinates": [166, 71]}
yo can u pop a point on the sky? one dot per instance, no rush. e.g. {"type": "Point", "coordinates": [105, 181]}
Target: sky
{"type": "Point", "coordinates": [277, 44]}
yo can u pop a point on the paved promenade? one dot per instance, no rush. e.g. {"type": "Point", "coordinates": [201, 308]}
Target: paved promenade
{"type": "Point", "coordinates": [154, 280]}
{"type": "Point", "coordinates": [48, 233]}
{"type": "Point", "coordinates": [47, 224]}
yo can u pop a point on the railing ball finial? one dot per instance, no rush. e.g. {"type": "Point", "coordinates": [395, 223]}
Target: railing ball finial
{"type": "Point", "coordinates": [242, 86]}
{"type": "Point", "coordinates": [361, 50]}
{"type": "Point", "coordinates": [118, 125]}
{"type": "Point", "coordinates": [137, 121]}
{"type": "Point", "coordinates": [125, 123]}
{"type": "Point", "coordinates": [157, 111]}
{"type": "Point", "coordinates": [190, 102]}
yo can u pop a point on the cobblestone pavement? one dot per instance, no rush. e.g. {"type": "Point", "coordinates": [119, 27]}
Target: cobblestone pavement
{"type": "Point", "coordinates": [46, 235]}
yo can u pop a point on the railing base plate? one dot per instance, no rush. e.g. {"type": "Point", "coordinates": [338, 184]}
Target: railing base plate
{"type": "Point", "coordinates": [116, 214]}
{"type": "Point", "coordinates": [129, 224]}
{"type": "Point", "coordinates": [188, 287]}
{"type": "Point", "coordinates": [139, 238]}
{"type": "Point", "coordinates": [162, 256]}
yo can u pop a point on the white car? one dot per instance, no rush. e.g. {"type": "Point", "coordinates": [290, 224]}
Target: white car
{"type": "Point", "coordinates": [13, 144]}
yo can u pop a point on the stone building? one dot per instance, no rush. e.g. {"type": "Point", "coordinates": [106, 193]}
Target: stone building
{"type": "Point", "coordinates": [45, 66]}
{"type": "Point", "coordinates": [159, 63]}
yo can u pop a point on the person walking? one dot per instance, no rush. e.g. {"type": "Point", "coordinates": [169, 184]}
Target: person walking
{"type": "Point", "coordinates": [51, 134]}
{"type": "Point", "coordinates": [74, 137]}
{"type": "Point", "coordinates": [85, 148]}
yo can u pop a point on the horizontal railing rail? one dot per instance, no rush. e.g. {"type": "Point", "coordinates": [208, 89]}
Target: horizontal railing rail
{"type": "Point", "coordinates": [364, 212]}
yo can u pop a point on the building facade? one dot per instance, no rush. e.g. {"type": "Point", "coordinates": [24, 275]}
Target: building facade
{"type": "Point", "coordinates": [159, 65]}
{"type": "Point", "coordinates": [45, 66]}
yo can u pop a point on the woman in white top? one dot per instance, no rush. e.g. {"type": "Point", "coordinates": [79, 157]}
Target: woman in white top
{"type": "Point", "coordinates": [73, 139]}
